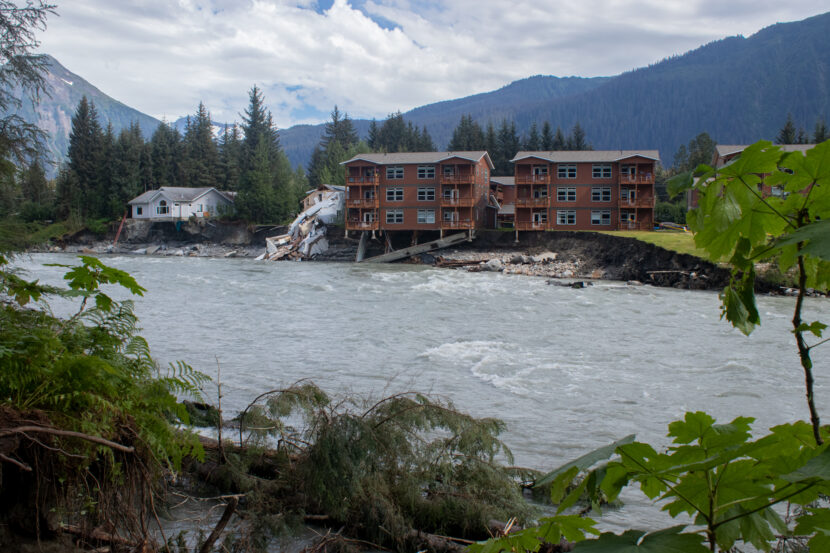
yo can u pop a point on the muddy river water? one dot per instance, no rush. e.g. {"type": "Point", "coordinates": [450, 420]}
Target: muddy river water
{"type": "Point", "coordinates": [568, 370]}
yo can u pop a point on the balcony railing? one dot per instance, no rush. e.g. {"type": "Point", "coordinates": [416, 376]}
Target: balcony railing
{"type": "Point", "coordinates": [357, 224]}
{"type": "Point", "coordinates": [457, 202]}
{"type": "Point", "coordinates": [530, 225]}
{"type": "Point", "coordinates": [457, 179]}
{"type": "Point", "coordinates": [458, 224]}
{"type": "Point", "coordinates": [363, 181]}
{"type": "Point", "coordinates": [645, 178]}
{"type": "Point", "coordinates": [532, 202]}
{"type": "Point", "coordinates": [363, 203]}
{"type": "Point", "coordinates": [533, 179]}
{"type": "Point", "coordinates": [638, 202]}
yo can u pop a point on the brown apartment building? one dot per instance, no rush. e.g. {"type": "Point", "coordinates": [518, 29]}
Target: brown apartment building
{"type": "Point", "coordinates": [585, 190]}
{"type": "Point", "coordinates": [419, 191]}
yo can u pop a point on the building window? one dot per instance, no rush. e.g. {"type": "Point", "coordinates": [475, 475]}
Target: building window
{"type": "Point", "coordinates": [138, 210]}
{"type": "Point", "coordinates": [369, 172]}
{"type": "Point", "coordinates": [628, 195]}
{"type": "Point", "coordinates": [566, 170]}
{"type": "Point", "coordinates": [449, 171]}
{"type": "Point", "coordinates": [600, 194]}
{"type": "Point", "coordinates": [426, 216]}
{"type": "Point", "coordinates": [541, 192]}
{"type": "Point", "coordinates": [369, 217]}
{"type": "Point", "coordinates": [540, 217]}
{"type": "Point", "coordinates": [163, 208]}
{"type": "Point", "coordinates": [540, 171]}
{"type": "Point", "coordinates": [426, 194]}
{"type": "Point", "coordinates": [565, 194]}
{"type": "Point", "coordinates": [601, 171]}
{"type": "Point", "coordinates": [629, 171]}
{"type": "Point", "coordinates": [450, 215]}
{"type": "Point", "coordinates": [628, 216]}
{"type": "Point", "coordinates": [369, 194]}
{"type": "Point", "coordinates": [564, 217]}
{"type": "Point", "coordinates": [394, 194]}
{"type": "Point", "coordinates": [394, 216]}
{"type": "Point", "coordinates": [450, 193]}
{"type": "Point", "coordinates": [601, 217]}
{"type": "Point", "coordinates": [426, 171]}
{"type": "Point", "coordinates": [394, 172]}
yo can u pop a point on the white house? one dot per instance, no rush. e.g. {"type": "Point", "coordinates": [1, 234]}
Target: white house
{"type": "Point", "coordinates": [322, 192]}
{"type": "Point", "coordinates": [174, 203]}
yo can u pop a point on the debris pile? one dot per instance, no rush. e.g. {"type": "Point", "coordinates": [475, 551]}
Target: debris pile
{"type": "Point", "coordinates": [306, 237]}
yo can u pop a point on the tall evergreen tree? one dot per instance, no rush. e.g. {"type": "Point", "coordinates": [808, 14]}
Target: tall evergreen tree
{"type": "Point", "coordinates": [577, 141]}
{"type": "Point", "coordinates": [77, 191]}
{"type": "Point", "coordinates": [820, 134]}
{"type": "Point", "coordinates": [547, 137]}
{"type": "Point", "coordinates": [788, 133]}
{"type": "Point", "coordinates": [372, 137]}
{"type": "Point", "coordinates": [200, 151]}
{"type": "Point", "coordinates": [467, 136]}
{"type": "Point", "coordinates": [559, 142]}
{"type": "Point", "coordinates": [490, 139]}
{"type": "Point", "coordinates": [507, 145]}
{"type": "Point", "coordinates": [230, 158]}
{"type": "Point", "coordinates": [533, 142]}
{"type": "Point", "coordinates": [166, 152]}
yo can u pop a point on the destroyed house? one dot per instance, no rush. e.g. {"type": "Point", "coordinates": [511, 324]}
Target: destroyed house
{"type": "Point", "coordinates": [585, 190]}
{"type": "Point", "coordinates": [414, 191]}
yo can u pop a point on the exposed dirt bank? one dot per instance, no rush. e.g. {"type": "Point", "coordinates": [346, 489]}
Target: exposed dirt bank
{"type": "Point", "coordinates": [570, 255]}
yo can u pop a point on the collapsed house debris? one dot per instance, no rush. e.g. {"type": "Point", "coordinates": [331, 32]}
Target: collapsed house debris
{"type": "Point", "coordinates": [306, 237]}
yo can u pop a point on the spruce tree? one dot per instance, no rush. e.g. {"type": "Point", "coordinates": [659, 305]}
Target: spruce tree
{"type": "Point", "coordinates": [788, 133]}
{"type": "Point", "coordinates": [201, 154]}
{"type": "Point", "coordinates": [78, 191]}
{"type": "Point", "coordinates": [166, 153]}
{"type": "Point", "coordinates": [820, 134]}
{"type": "Point", "coordinates": [230, 158]}
{"type": "Point", "coordinates": [533, 142]}
{"type": "Point", "coordinates": [559, 143]}
{"type": "Point", "coordinates": [577, 139]}
{"type": "Point", "coordinates": [547, 137]}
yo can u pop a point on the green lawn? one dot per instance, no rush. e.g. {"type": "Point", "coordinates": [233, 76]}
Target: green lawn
{"type": "Point", "coordinates": [681, 242]}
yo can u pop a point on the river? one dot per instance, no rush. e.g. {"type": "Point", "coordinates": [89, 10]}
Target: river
{"type": "Point", "coordinates": [567, 369]}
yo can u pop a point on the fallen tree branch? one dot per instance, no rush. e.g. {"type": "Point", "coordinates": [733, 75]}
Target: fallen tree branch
{"type": "Point", "coordinates": [19, 464]}
{"type": "Point", "coordinates": [96, 534]}
{"type": "Point", "coordinates": [69, 433]}
{"type": "Point", "coordinates": [220, 526]}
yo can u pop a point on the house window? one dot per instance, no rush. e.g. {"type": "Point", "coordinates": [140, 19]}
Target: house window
{"type": "Point", "coordinates": [450, 215]}
{"type": "Point", "coordinates": [540, 192]}
{"type": "Point", "coordinates": [450, 193]}
{"type": "Point", "coordinates": [540, 217]}
{"type": "Point", "coordinates": [369, 194]}
{"type": "Point", "coordinates": [426, 216]}
{"type": "Point", "coordinates": [426, 194]}
{"type": "Point", "coordinates": [566, 170]}
{"type": "Point", "coordinates": [369, 172]}
{"type": "Point", "coordinates": [628, 216]}
{"type": "Point", "coordinates": [564, 217]}
{"type": "Point", "coordinates": [629, 195]}
{"type": "Point", "coordinates": [565, 194]}
{"type": "Point", "coordinates": [200, 208]}
{"type": "Point", "coordinates": [600, 194]}
{"type": "Point", "coordinates": [540, 171]}
{"type": "Point", "coordinates": [449, 171]}
{"type": "Point", "coordinates": [629, 171]}
{"type": "Point", "coordinates": [601, 171]}
{"type": "Point", "coordinates": [369, 217]}
{"type": "Point", "coordinates": [601, 217]}
{"type": "Point", "coordinates": [394, 172]}
{"type": "Point", "coordinates": [394, 216]}
{"type": "Point", "coordinates": [162, 208]}
{"type": "Point", "coordinates": [138, 210]}
{"type": "Point", "coordinates": [426, 171]}
{"type": "Point", "coordinates": [394, 194]}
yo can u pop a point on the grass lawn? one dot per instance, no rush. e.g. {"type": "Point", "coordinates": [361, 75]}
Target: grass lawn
{"type": "Point", "coordinates": [681, 242]}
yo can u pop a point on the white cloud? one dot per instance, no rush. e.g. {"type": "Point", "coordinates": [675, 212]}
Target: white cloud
{"type": "Point", "coordinates": [163, 57]}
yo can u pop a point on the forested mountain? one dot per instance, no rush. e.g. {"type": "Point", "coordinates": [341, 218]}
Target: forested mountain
{"type": "Point", "coordinates": [737, 89]}
{"type": "Point", "coordinates": [54, 113]}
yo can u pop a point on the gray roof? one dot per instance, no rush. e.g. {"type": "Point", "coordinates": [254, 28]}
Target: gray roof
{"type": "Point", "coordinates": [582, 156]}
{"type": "Point", "coordinates": [504, 181]}
{"type": "Point", "coordinates": [178, 194]}
{"type": "Point", "coordinates": [723, 150]}
{"type": "Point", "coordinates": [403, 158]}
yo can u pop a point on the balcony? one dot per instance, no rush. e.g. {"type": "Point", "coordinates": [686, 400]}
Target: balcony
{"type": "Point", "coordinates": [458, 224]}
{"type": "Point", "coordinates": [363, 181]}
{"type": "Point", "coordinates": [644, 202]}
{"type": "Point", "coordinates": [457, 202]}
{"type": "Point", "coordinates": [644, 178]}
{"type": "Point", "coordinates": [530, 225]}
{"type": "Point", "coordinates": [532, 179]}
{"type": "Point", "coordinates": [363, 203]}
{"type": "Point", "coordinates": [532, 202]}
{"type": "Point", "coordinates": [357, 224]}
{"type": "Point", "coordinates": [467, 178]}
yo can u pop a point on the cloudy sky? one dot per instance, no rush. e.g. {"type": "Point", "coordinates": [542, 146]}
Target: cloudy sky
{"type": "Point", "coordinates": [373, 57]}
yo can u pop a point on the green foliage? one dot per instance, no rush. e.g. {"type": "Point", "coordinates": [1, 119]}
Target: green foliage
{"type": "Point", "coordinates": [91, 373]}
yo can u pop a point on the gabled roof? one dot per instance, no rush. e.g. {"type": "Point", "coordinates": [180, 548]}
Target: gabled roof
{"type": "Point", "coordinates": [406, 158]}
{"type": "Point", "coordinates": [504, 181]}
{"type": "Point", "coordinates": [583, 156]}
{"type": "Point", "coordinates": [178, 194]}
